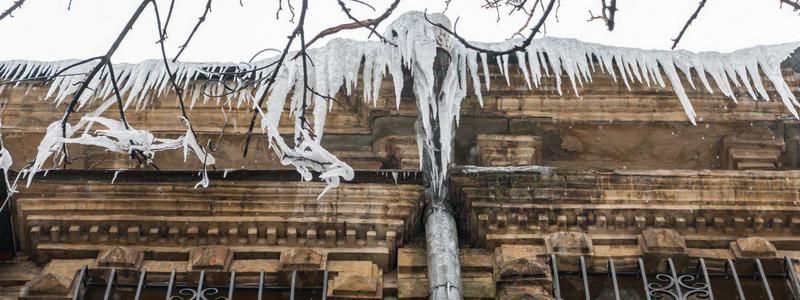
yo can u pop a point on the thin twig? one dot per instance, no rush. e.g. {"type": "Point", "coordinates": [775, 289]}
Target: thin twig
{"type": "Point", "coordinates": [304, 104]}
{"type": "Point", "coordinates": [11, 9]}
{"type": "Point", "coordinates": [519, 47]}
{"type": "Point", "coordinates": [171, 75]}
{"type": "Point", "coordinates": [368, 23]}
{"type": "Point", "coordinates": [607, 14]}
{"type": "Point", "coordinates": [794, 4]}
{"type": "Point", "coordinates": [527, 20]}
{"type": "Point", "coordinates": [688, 22]}
{"type": "Point", "coordinates": [194, 30]}
{"type": "Point", "coordinates": [117, 95]}
{"type": "Point", "coordinates": [169, 17]}
{"type": "Point", "coordinates": [364, 3]}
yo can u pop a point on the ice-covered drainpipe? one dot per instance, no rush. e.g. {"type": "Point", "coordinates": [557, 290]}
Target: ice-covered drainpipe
{"type": "Point", "coordinates": [444, 267]}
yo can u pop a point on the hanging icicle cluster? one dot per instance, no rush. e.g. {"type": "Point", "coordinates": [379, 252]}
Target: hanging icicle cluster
{"type": "Point", "coordinates": [412, 46]}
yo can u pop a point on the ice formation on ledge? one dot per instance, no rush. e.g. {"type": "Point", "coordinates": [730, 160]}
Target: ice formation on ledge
{"type": "Point", "coordinates": [339, 64]}
{"type": "Point", "coordinates": [470, 169]}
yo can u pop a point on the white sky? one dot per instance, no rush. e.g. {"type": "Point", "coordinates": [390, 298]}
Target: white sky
{"type": "Point", "coordinates": [45, 30]}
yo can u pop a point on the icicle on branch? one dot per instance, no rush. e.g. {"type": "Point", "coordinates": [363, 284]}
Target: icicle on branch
{"type": "Point", "coordinates": [271, 78]}
{"type": "Point", "coordinates": [119, 136]}
{"type": "Point", "coordinates": [283, 74]}
{"type": "Point", "coordinates": [299, 31]}
{"type": "Point", "coordinates": [104, 60]}
{"type": "Point", "coordinates": [190, 139]}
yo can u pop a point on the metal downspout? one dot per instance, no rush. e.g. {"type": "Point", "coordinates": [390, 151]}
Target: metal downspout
{"type": "Point", "coordinates": [441, 236]}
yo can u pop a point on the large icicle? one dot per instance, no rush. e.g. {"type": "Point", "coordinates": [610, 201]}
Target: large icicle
{"type": "Point", "coordinates": [438, 102]}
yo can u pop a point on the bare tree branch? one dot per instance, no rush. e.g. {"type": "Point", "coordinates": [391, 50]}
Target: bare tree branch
{"type": "Point", "coordinates": [370, 24]}
{"type": "Point", "coordinates": [194, 30]}
{"type": "Point", "coordinates": [171, 75]}
{"type": "Point", "coordinates": [104, 60]}
{"type": "Point", "coordinates": [364, 3]}
{"type": "Point", "coordinates": [117, 95]}
{"type": "Point", "coordinates": [169, 17]}
{"type": "Point", "coordinates": [527, 20]}
{"type": "Point", "coordinates": [11, 9]}
{"type": "Point", "coordinates": [520, 47]}
{"type": "Point", "coordinates": [688, 22]}
{"type": "Point", "coordinates": [137, 154]}
{"type": "Point", "coordinates": [270, 81]}
{"type": "Point", "coordinates": [280, 8]}
{"type": "Point", "coordinates": [304, 104]}
{"type": "Point", "coordinates": [607, 14]}
{"type": "Point", "coordinates": [611, 11]}
{"type": "Point", "coordinates": [794, 4]}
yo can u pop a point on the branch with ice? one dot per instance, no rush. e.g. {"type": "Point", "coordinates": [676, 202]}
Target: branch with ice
{"type": "Point", "coordinates": [117, 138]}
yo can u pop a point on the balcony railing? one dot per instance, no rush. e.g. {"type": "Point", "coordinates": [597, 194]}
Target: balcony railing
{"type": "Point", "coordinates": [693, 283]}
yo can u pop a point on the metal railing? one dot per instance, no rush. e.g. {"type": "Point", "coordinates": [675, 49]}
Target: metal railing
{"type": "Point", "coordinates": [198, 290]}
{"type": "Point", "coordinates": [671, 284]}
{"type": "Point", "coordinates": [675, 285]}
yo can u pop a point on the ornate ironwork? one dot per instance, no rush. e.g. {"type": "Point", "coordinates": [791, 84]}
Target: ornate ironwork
{"type": "Point", "coordinates": [673, 287]}
{"type": "Point", "coordinates": [193, 294]}
{"type": "Point", "coordinates": [180, 291]}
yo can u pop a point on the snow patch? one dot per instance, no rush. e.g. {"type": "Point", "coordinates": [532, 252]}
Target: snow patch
{"type": "Point", "coordinates": [512, 169]}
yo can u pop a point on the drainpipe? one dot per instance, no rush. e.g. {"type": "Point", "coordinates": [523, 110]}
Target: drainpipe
{"type": "Point", "coordinates": [444, 267]}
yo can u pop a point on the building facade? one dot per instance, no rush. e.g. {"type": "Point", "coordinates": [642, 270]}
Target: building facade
{"type": "Point", "coordinates": [611, 194]}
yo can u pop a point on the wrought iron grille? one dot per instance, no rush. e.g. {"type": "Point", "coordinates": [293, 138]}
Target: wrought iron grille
{"type": "Point", "coordinates": [90, 288]}
{"type": "Point", "coordinates": [673, 284]}
{"type": "Point", "coordinates": [696, 283]}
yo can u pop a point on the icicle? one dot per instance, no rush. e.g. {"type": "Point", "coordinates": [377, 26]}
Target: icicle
{"type": "Point", "coordinates": [204, 181]}
{"type": "Point", "coordinates": [524, 67]}
{"type": "Point", "coordinates": [472, 64]}
{"type": "Point", "coordinates": [485, 66]}
{"type": "Point", "coordinates": [5, 164]}
{"type": "Point", "coordinates": [337, 65]}
{"type": "Point", "coordinates": [190, 145]}
{"type": "Point", "coordinates": [115, 175]}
